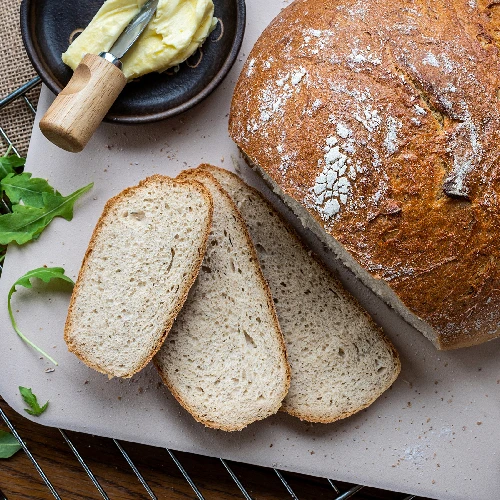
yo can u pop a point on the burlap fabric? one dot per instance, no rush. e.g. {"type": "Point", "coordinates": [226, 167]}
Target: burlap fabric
{"type": "Point", "coordinates": [15, 69]}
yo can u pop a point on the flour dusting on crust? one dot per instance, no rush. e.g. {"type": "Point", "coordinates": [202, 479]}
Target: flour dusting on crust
{"type": "Point", "coordinates": [332, 186]}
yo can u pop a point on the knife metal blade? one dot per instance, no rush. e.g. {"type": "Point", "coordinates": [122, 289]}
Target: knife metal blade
{"type": "Point", "coordinates": [134, 29]}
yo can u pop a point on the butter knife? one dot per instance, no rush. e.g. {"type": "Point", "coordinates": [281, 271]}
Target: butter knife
{"type": "Point", "coordinates": [81, 106]}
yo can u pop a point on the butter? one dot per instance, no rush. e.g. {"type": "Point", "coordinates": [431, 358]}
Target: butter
{"type": "Point", "coordinates": [176, 31]}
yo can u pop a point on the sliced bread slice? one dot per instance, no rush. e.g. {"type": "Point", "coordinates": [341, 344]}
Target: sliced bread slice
{"type": "Point", "coordinates": [340, 360]}
{"type": "Point", "coordinates": [225, 359]}
{"type": "Point", "coordinates": [143, 257]}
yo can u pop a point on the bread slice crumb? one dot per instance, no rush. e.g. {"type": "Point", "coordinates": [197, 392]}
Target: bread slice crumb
{"type": "Point", "coordinates": [144, 255]}
{"type": "Point", "coordinates": [225, 359]}
{"type": "Point", "coordinates": [340, 360]}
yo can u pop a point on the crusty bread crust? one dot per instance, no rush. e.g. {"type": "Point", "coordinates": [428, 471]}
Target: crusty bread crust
{"type": "Point", "coordinates": [404, 98]}
{"type": "Point", "coordinates": [313, 417]}
{"type": "Point", "coordinates": [154, 179]}
{"type": "Point", "coordinates": [199, 174]}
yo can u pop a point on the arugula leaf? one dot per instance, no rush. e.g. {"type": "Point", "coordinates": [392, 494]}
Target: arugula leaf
{"type": "Point", "coordinates": [43, 273]}
{"type": "Point", "coordinates": [31, 400]}
{"type": "Point", "coordinates": [8, 444]}
{"type": "Point", "coordinates": [24, 187]}
{"type": "Point", "coordinates": [9, 163]}
{"type": "Point", "coordinates": [46, 274]}
{"type": "Point", "coordinates": [27, 222]}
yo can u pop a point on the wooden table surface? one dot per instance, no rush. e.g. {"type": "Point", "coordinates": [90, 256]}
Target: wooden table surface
{"type": "Point", "coordinates": [20, 480]}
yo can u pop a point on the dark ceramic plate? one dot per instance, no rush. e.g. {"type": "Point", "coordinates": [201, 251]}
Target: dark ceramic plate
{"type": "Point", "coordinates": [47, 25]}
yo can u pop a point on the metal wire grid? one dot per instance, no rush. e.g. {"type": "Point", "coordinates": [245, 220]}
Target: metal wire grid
{"type": "Point", "coordinates": [20, 93]}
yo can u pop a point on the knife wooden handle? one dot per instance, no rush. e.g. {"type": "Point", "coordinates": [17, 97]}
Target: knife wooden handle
{"type": "Point", "coordinates": [78, 110]}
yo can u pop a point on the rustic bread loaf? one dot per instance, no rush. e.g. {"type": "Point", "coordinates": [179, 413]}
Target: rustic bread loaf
{"type": "Point", "coordinates": [225, 358]}
{"type": "Point", "coordinates": [379, 124]}
{"type": "Point", "coordinates": [340, 361]}
{"type": "Point", "coordinates": [143, 257]}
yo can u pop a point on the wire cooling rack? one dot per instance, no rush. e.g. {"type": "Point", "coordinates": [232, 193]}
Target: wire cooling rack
{"type": "Point", "coordinates": [337, 494]}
